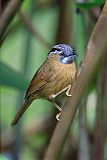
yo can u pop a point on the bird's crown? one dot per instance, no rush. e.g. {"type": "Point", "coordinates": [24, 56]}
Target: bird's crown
{"type": "Point", "coordinates": [64, 49]}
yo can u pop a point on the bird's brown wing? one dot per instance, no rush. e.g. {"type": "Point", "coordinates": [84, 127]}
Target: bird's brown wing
{"type": "Point", "coordinates": [40, 80]}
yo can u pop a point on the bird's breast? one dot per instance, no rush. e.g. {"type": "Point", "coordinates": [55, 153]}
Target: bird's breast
{"type": "Point", "coordinates": [62, 75]}
{"type": "Point", "coordinates": [65, 74]}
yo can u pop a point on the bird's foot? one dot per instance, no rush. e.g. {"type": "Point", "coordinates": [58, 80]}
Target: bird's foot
{"type": "Point", "coordinates": [58, 116]}
{"type": "Point", "coordinates": [68, 90]}
{"type": "Point", "coordinates": [68, 95]}
{"type": "Point", "coordinates": [64, 89]}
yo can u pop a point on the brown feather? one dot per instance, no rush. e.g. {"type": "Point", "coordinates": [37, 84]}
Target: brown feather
{"type": "Point", "coordinates": [51, 78]}
{"type": "Point", "coordinates": [21, 112]}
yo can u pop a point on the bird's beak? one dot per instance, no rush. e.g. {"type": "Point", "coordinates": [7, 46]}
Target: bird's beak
{"type": "Point", "coordinates": [75, 55]}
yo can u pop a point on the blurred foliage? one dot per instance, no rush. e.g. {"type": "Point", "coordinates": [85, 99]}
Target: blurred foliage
{"type": "Point", "coordinates": [7, 76]}
{"type": "Point", "coordinates": [89, 5]}
{"type": "Point", "coordinates": [22, 53]}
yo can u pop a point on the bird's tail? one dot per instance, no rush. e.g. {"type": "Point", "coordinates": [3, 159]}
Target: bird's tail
{"type": "Point", "coordinates": [20, 113]}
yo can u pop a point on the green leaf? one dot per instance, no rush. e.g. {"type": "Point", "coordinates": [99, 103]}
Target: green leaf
{"type": "Point", "coordinates": [10, 77]}
{"type": "Point", "coordinates": [89, 5]}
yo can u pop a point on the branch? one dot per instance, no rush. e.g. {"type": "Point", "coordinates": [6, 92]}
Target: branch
{"type": "Point", "coordinates": [27, 22]}
{"type": "Point", "coordinates": [8, 15]}
{"type": "Point", "coordinates": [95, 50]}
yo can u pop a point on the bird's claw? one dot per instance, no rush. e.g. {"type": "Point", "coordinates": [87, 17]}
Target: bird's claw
{"type": "Point", "coordinates": [68, 91]}
{"type": "Point", "coordinates": [69, 95]}
{"type": "Point", "coordinates": [58, 116]}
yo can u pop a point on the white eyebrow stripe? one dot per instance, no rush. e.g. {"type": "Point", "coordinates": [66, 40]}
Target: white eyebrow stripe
{"type": "Point", "coordinates": [55, 52]}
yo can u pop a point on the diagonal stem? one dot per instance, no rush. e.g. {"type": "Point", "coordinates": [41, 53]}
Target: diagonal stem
{"type": "Point", "coordinates": [8, 14]}
{"type": "Point", "coordinates": [95, 51]}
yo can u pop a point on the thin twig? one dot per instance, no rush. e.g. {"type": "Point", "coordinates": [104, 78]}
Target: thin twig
{"type": "Point", "coordinates": [95, 50]}
{"type": "Point", "coordinates": [27, 22]}
{"type": "Point", "coordinates": [8, 15]}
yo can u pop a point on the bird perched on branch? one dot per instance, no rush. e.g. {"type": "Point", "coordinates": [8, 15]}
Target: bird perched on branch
{"type": "Point", "coordinates": [55, 76]}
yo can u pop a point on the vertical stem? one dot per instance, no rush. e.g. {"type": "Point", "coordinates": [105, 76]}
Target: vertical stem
{"type": "Point", "coordinates": [100, 128]}
{"type": "Point", "coordinates": [25, 70]}
{"type": "Point", "coordinates": [64, 31]}
{"type": "Point", "coordinates": [79, 20]}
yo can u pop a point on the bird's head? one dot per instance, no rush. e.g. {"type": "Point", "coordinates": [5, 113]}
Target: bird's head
{"type": "Point", "coordinates": [66, 54]}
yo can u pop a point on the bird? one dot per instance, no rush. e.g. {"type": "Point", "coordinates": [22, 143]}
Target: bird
{"type": "Point", "coordinates": [55, 75]}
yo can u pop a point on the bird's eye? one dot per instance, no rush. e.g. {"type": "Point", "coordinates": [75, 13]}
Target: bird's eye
{"type": "Point", "coordinates": [62, 54]}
